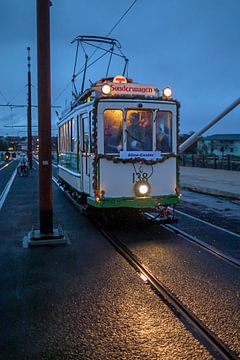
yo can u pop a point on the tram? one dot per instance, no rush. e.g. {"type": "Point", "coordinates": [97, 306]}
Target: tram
{"type": "Point", "coordinates": [118, 147]}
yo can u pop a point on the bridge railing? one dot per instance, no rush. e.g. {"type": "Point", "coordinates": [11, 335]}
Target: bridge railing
{"type": "Point", "coordinates": [228, 162]}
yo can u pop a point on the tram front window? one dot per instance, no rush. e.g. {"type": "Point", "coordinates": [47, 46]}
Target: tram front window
{"type": "Point", "coordinates": [113, 130]}
{"type": "Point", "coordinates": [139, 130]}
{"type": "Point", "coordinates": [164, 131]}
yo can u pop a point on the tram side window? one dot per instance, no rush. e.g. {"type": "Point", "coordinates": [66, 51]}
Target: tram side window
{"type": "Point", "coordinates": [60, 138]}
{"type": "Point", "coordinates": [113, 131]}
{"type": "Point", "coordinates": [139, 130]}
{"type": "Point", "coordinates": [74, 136]}
{"type": "Point", "coordinates": [86, 134]}
{"type": "Point", "coordinates": [164, 131]}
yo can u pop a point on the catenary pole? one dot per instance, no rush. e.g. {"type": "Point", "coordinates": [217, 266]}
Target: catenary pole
{"type": "Point", "coordinates": [29, 112]}
{"type": "Point", "coordinates": [44, 117]}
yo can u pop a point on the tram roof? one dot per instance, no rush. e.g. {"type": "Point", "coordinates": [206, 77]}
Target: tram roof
{"type": "Point", "coordinates": [118, 87]}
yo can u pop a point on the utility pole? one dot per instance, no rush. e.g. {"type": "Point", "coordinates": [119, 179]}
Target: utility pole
{"type": "Point", "coordinates": [46, 235]}
{"type": "Point", "coordinates": [44, 117]}
{"type": "Point", "coordinates": [29, 112]}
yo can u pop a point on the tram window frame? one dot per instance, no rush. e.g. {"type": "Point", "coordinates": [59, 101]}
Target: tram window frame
{"type": "Point", "coordinates": [85, 120]}
{"type": "Point", "coordinates": [169, 134]}
{"type": "Point", "coordinates": [75, 135]}
{"type": "Point", "coordinates": [116, 147]}
{"type": "Point", "coordinates": [91, 131]}
{"type": "Point", "coordinates": [64, 137]}
{"type": "Point", "coordinates": [59, 138]}
{"type": "Point", "coordinates": [130, 137]}
{"type": "Point", "coordinates": [71, 135]}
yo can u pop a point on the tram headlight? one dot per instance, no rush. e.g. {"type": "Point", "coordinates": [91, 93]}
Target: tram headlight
{"type": "Point", "coordinates": [106, 89]}
{"type": "Point", "coordinates": [142, 188]}
{"type": "Point", "coordinates": [167, 92]}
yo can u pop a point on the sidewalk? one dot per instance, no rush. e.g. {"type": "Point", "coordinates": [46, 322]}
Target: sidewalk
{"type": "Point", "coordinates": [210, 181]}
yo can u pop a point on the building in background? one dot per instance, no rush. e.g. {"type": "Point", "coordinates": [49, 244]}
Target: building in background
{"type": "Point", "coordinates": [219, 145]}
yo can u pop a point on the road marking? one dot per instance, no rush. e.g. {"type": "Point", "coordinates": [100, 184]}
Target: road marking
{"type": "Point", "coordinates": [55, 180]}
{"type": "Point", "coordinates": [6, 165]}
{"type": "Point", "coordinates": [207, 223]}
{"type": "Point", "coordinates": [6, 190]}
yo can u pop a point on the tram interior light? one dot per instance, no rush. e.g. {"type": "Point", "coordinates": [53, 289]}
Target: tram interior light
{"type": "Point", "coordinates": [106, 89]}
{"type": "Point", "coordinates": [167, 92]}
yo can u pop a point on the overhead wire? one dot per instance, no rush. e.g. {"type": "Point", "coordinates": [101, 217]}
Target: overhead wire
{"type": "Point", "coordinates": [113, 28]}
{"type": "Point", "coordinates": [118, 22]}
{"type": "Point", "coordinates": [82, 69]}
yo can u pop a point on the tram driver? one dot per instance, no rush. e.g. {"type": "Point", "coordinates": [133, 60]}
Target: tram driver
{"type": "Point", "coordinates": [139, 130]}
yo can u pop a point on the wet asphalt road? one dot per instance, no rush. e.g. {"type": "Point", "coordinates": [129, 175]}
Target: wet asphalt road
{"type": "Point", "coordinates": [6, 171]}
{"type": "Point", "coordinates": [81, 301]}
{"type": "Point", "coordinates": [217, 210]}
{"type": "Point", "coordinates": [206, 284]}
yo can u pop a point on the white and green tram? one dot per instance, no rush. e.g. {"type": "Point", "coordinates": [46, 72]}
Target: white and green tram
{"type": "Point", "coordinates": [118, 147]}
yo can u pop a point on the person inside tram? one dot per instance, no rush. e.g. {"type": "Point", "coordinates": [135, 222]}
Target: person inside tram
{"type": "Point", "coordinates": [163, 132]}
{"type": "Point", "coordinates": [139, 131]}
{"type": "Point", "coordinates": [112, 134]}
{"type": "Point", "coordinates": [162, 143]}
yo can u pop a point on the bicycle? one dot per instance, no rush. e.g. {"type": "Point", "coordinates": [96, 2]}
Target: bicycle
{"type": "Point", "coordinates": [22, 170]}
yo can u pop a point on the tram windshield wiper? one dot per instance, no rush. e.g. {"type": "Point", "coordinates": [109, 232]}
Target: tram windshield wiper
{"type": "Point", "coordinates": [133, 137]}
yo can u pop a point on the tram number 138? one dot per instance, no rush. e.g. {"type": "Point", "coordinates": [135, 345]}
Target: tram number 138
{"type": "Point", "coordinates": [139, 176]}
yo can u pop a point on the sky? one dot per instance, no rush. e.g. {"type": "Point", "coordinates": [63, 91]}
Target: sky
{"type": "Point", "coordinates": [190, 45]}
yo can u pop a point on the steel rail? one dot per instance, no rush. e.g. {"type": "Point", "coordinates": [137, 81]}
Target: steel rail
{"type": "Point", "coordinates": [204, 335]}
{"type": "Point", "coordinates": [211, 249]}
{"type": "Point", "coordinates": [207, 223]}
{"type": "Point", "coordinates": [191, 322]}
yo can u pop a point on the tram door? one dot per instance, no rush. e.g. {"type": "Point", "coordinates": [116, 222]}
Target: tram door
{"type": "Point", "coordinates": [85, 152]}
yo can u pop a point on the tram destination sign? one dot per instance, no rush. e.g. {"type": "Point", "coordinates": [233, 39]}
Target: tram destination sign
{"type": "Point", "coordinates": [147, 155]}
{"type": "Point", "coordinates": [133, 89]}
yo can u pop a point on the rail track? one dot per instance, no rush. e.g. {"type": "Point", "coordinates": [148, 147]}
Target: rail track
{"type": "Point", "coordinates": [200, 243]}
{"type": "Point", "coordinates": [191, 322]}
{"type": "Point", "coordinates": [197, 328]}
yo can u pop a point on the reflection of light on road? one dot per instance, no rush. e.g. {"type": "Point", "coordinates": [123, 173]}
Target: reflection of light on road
{"type": "Point", "coordinates": [143, 277]}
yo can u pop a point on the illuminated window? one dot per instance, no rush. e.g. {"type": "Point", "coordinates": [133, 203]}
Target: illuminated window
{"type": "Point", "coordinates": [164, 131]}
{"type": "Point", "coordinates": [139, 130]}
{"type": "Point", "coordinates": [113, 131]}
{"type": "Point", "coordinates": [86, 134]}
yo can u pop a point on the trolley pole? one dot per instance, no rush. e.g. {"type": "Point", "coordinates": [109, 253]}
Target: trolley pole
{"type": "Point", "coordinates": [29, 112]}
{"type": "Point", "coordinates": [44, 117]}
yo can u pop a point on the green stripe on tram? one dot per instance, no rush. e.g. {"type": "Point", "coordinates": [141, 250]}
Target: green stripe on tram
{"type": "Point", "coordinates": [135, 202]}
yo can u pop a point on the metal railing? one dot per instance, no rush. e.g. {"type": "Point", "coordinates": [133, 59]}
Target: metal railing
{"type": "Point", "coordinates": [227, 162]}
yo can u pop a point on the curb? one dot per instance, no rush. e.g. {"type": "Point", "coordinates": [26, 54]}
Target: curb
{"type": "Point", "coordinates": [210, 191]}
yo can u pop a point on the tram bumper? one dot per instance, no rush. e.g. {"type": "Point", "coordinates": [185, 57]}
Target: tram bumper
{"type": "Point", "coordinates": [147, 202]}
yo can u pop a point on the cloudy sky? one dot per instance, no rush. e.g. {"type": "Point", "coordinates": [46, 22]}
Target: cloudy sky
{"type": "Point", "coordinates": [190, 45]}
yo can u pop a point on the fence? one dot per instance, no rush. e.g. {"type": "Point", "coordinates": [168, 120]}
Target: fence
{"type": "Point", "coordinates": [227, 162]}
